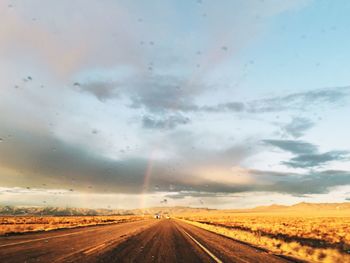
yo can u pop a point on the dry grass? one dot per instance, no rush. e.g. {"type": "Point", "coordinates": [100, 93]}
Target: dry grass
{"type": "Point", "coordinates": [311, 238]}
{"type": "Point", "coordinates": [22, 224]}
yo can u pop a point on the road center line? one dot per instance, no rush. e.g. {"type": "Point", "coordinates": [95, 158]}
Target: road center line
{"type": "Point", "coordinates": [204, 248]}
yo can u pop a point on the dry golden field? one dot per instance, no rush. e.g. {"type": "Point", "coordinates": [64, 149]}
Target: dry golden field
{"type": "Point", "coordinates": [315, 236]}
{"type": "Point", "coordinates": [21, 224]}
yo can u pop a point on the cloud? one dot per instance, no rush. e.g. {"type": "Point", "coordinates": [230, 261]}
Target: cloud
{"type": "Point", "coordinates": [100, 89]}
{"type": "Point", "coordinates": [169, 122]}
{"type": "Point", "coordinates": [295, 101]}
{"type": "Point", "coordinates": [294, 184]}
{"type": "Point", "coordinates": [162, 93]}
{"type": "Point", "coordinates": [316, 160]}
{"type": "Point", "coordinates": [312, 183]}
{"type": "Point", "coordinates": [307, 155]}
{"type": "Point", "coordinates": [301, 100]}
{"type": "Point", "coordinates": [33, 160]}
{"type": "Point", "coordinates": [184, 194]}
{"type": "Point", "coordinates": [298, 126]}
{"type": "Point", "coordinates": [295, 147]}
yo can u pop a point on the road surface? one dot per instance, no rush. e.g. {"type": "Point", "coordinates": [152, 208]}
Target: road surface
{"type": "Point", "coordinates": [166, 240]}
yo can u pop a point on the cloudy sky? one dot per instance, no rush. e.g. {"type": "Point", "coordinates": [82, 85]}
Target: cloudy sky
{"type": "Point", "coordinates": [220, 104]}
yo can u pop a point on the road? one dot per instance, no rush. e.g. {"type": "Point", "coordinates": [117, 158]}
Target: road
{"type": "Point", "coordinates": [166, 240]}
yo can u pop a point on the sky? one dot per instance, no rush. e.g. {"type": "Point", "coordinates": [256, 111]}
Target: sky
{"type": "Point", "coordinates": [130, 104]}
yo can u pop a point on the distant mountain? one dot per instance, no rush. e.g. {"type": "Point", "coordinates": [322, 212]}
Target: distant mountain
{"type": "Point", "coordinates": [59, 211]}
{"type": "Point", "coordinates": [299, 207]}
{"type": "Point", "coordinates": [177, 210]}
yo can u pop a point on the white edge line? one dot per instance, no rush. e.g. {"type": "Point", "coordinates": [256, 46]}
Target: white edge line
{"type": "Point", "coordinates": [46, 238]}
{"type": "Point", "coordinates": [204, 248]}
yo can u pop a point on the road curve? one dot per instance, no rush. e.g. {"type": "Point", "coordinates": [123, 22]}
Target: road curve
{"type": "Point", "coordinates": [166, 240]}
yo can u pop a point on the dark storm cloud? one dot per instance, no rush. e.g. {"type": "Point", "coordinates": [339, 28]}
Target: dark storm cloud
{"type": "Point", "coordinates": [168, 122]}
{"type": "Point", "coordinates": [184, 194]}
{"type": "Point", "coordinates": [31, 160]}
{"type": "Point", "coordinates": [289, 183]}
{"type": "Point", "coordinates": [307, 155]}
{"type": "Point", "coordinates": [312, 183]}
{"type": "Point", "coordinates": [298, 126]}
{"type": "Point", "coordinates": [43, 160]}
{"type": "Point", "coordinates": [39, 159]}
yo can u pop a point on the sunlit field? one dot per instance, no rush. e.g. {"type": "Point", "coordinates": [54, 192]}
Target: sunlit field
{"type": "Point", "coordinates": [21, 224]}
{"type": "Point", "coordinates": [312, 236]}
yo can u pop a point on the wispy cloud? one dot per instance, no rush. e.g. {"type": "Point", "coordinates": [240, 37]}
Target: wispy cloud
{"type": "Point", "coordinates": [298, 126]}
{"type": "Point", "coordinates": [167, 122]}
{"type": "Point", "coordinates": [295, 147]}
{"type": "Point", "coordinates": [307, 154]}
{"type": "Point", "coordinates": [317, 160]}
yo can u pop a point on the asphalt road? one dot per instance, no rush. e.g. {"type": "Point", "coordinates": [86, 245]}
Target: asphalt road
{"type": "Point", "coordinates": [166, 240]}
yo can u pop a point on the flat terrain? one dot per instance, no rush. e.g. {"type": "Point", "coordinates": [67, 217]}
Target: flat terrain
{"type": "Point", "coordinates": [165, 240]}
